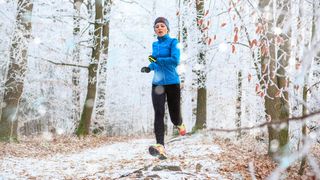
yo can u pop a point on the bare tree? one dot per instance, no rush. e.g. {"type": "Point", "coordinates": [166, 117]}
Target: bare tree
{"type": "Point", "coordinates": [76, 59]}
{"type": "Point", "coordinates": [85, 120]}
{"type": "Point", "coordinates": [275, 53]}
{"type": "Point", "coordinates": [201, 74]}
{"type": "Point", "coordinates": [238, 103]}
{"type": "Point", "coordinates": [102, 84]}
{"type": "Point", "coordinates": [15, 76]}
{"type": "Point", "coordinates": [305, 91]}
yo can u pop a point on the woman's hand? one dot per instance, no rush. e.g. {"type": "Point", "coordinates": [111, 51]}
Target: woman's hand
{"type": "Point", "coordinates": [152, 59]}
{"type": "Point", "coordinates": [145, 69]}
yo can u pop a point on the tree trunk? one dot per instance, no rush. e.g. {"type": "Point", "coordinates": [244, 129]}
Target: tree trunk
{"type": "Point", "coordinates": [14, 81]}
{"type": "Point", "coordinates": [85, 120]}
{"type": "Point", "coordinates": [101, 100]}
{"type": "Point", "coordinates": [304, 128]}
{"type": "Point", "coordinates": [306, 78]}
{"type": "Point", "coordinates": [182, 38]}
{"type": "Point", "coordinates": [201, 109]}
{"type": "Point", "coordinates": [238, 103]}
{"type": "Point", "coordinates": [201, 116]}
{"type": "Point", "coordinates": [275, 56]}
{"type": "Point", "coordinates": [76, 58]}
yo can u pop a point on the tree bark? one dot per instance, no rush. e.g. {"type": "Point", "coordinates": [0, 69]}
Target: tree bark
{"type": "Point", "coordinates": [101, 100]}
{"type": "Point", "coordinates": [15, 76]}
{"type": "Point", "coordinates": [201, 115]}
{"type": "Point", "coordinates": [76, 59]}
{"type": "Point", "coordinates": [316, 6]}
{"type": "Point", "coordinates": [85, 120]}
{"type": "Point", "coordinates": [274, 60]}
{"type": "Point", "coordinates": [238, 103]}
{"type": "Point", "coordinates": [304, 128]}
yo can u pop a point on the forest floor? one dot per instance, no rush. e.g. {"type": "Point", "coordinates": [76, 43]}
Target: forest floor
{"type": "Point", "coordinates": [199, 156]}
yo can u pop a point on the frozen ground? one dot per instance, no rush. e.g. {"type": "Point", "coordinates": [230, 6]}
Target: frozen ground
{"type": "Point", "coordinates": [189, 157]}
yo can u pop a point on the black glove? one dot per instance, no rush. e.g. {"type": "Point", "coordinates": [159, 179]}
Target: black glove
{"type": "Point", "coordinates": [152, 59]}
{"type": "Point", "coordinates": [145, 69]}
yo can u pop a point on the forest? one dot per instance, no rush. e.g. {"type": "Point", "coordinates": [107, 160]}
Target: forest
{"type": "Point", "coordinates": [75, 105]}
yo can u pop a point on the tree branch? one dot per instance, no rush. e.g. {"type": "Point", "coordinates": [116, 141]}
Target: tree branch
{"type": "Point", "coordinates": [59, 64]}
{"type": "Point", "coordinates": [301, 118]}
{"type": "Point", "coordinates": [135, 171]}
{"type": "Point", "coordinates": [248, 39]}
{"type": "Point", "coordinates": [309, 89]}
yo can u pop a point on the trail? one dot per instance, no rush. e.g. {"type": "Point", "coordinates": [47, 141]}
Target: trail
{"type": "Point", "coordinates": [188, 158]}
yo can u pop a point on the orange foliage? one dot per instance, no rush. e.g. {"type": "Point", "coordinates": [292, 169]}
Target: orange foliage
{"type": "Point", "coordinates": [253, 43]}
{"type": "Point", "coordinates": [249, 77]}
{"type": "Point", "coordinates": [257, 87]}
{"type": "Point", "coordinates": [235, 38]}
{"type": "Point", "coordinates": [207, 12]}
{"type": "Point", "coordinates": [259, 29]}
{"type": "Point", "coordinates": [209, 41]}
{"type": "Point", "coordinates": [233, 48]}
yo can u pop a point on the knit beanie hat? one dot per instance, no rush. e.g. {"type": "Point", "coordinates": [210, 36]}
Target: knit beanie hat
{"type": "Point", "coordinates": [162, 20]}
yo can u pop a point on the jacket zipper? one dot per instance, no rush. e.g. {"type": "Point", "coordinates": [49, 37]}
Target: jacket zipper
{"type": "Point", "coordinates": [162, 68]}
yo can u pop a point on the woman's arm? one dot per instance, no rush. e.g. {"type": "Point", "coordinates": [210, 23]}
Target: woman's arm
{"type": "Point", "coordinates": [153, 66]}
{"type": "Point", "coordinates": [174, 59]}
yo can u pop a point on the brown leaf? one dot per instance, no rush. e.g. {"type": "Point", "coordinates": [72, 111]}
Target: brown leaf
{"type": "Point", "coordinates": [233, 48]}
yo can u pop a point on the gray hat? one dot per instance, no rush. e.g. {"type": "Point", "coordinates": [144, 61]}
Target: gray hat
{"type": "Point", "coordinates": [162, 20]}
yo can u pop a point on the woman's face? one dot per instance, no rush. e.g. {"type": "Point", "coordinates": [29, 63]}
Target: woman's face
{"type": "Point", "coordinates": [160, 29]}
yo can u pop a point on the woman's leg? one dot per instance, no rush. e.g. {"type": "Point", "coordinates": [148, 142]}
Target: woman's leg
{"type": "Point", "coordinates": [173, 98]}
{"type": "Point", "coordinates": [158, 101]}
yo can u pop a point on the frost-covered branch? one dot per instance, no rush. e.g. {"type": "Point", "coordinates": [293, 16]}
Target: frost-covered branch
{"type": "Point", "coordinates": [301, 118]}
{"type": "Point", "coordinates": [60, 64]}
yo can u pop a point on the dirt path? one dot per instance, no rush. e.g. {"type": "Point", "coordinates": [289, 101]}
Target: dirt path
{"type": "Point", "coordinates": [188, 158]}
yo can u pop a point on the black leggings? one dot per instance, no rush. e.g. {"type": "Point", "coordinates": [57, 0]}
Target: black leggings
{"type": "Point", "coordinates": [159, 95]}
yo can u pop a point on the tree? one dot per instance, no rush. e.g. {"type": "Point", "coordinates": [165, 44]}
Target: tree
{"type": "Point", "coordinates": [275, 53]}
{"type": "Point", "coordinates": [15, 76]}
{"type": "Point", "coordinates": [201, 74]}
{"type": "Point", "coordinates": [238, 103]}
{"type": "Point", "coordinates": [85, 120]}
{"type": "Point", "coordinates": [76, 58]}
{"type": "Point", "coordinates": [306, 89]}
{"type": "Point", "coordinates": [102, 84]}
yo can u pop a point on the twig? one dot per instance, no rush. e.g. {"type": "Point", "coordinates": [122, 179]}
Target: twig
{"type": "Point", "coordinates": [248, 39]}
{"type": "Point", "coordinates": [309, 89]}
{"type": "Point", "coordinates": [301, 118]}
{"type": "Point", "coordinates": [135, 2]}
{"type": "Point", "coordinates": [187, 173]}
{"type": "Point", "coordinates": [135, 171]}
{"type": "Point", "coordinates": [61, 64]}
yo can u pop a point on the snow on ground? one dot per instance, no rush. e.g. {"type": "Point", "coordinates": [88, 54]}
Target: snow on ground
{"type": "Point", "coordinates": [189, 157]}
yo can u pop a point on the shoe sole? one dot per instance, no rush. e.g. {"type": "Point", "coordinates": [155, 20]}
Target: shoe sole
{"type": "Point", "coordinates": [154, 152]}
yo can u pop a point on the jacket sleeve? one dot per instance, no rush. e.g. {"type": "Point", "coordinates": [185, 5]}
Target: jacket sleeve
{"type": "Point", "coordinates": [174, 59]}
{"type": "Point", "coordinates": [153, 66]}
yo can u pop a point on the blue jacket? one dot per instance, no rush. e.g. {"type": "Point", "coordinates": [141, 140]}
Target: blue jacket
{"type": "Point", "coordinates": [167, 52]}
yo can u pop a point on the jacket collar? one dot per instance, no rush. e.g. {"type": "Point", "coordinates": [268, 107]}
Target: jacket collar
{"type": "Point", "coordinates": [163, 38]}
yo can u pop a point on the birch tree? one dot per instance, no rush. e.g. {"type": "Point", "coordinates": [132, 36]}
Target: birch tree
{"type": "Point", "coordinates": [15, 75]}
